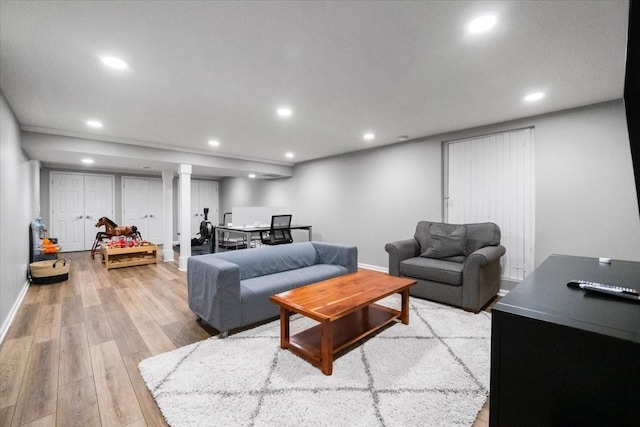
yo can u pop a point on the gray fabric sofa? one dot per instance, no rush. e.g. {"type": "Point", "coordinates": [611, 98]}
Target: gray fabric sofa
{"type": "Point", "coordinates": [231, 289]}
{"type": "Point", "coordinates": [467, 277]}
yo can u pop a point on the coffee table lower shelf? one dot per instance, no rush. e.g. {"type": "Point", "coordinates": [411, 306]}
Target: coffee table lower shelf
{"type": "Point", "coordinates": [345, 331]}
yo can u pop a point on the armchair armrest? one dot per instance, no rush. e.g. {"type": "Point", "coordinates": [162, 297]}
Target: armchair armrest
{"type": "Point", "coordinates": [346, 256]}
{"type": "Point", "coordinates": [399, 251]}
{"type": "Point", "coordinates": [484, 256]}
{"type": "Point", "coordinates": [481, 277]}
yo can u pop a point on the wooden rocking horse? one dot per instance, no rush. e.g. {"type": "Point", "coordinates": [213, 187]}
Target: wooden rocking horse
{"type": "Point", "coordinates": [112, 229]}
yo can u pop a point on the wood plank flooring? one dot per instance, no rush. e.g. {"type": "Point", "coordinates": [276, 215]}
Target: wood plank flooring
{"type": "Point", "coordinates": [71, 356]}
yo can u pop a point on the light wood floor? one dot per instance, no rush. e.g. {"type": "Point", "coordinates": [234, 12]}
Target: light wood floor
{"type": "Point", "coordinates": [71, 356]}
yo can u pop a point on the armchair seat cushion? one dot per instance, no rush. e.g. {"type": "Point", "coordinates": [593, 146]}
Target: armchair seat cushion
{"type": "Point", "coordinates": [434, 270]}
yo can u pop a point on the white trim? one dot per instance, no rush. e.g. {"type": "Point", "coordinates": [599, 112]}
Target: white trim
{"type": "Point", "coordinates": [14, 310]}
{"type": "Point", "coordinates": [373, 267]}
{"type": "Point", "coordinates": [502, 292]}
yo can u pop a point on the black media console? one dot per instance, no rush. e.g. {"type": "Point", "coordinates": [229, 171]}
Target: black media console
{"type": "Point", "coordinates": [562, 356]}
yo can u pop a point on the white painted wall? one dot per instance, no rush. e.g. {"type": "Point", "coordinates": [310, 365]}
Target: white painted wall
{"type": "Point", "coordinates": [585, 196]}
{"type": "Point", "coordinates": [19, 205]}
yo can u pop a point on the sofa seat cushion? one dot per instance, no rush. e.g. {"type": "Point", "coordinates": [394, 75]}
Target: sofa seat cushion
{"type": "Point", "coordinates": [255, 291]}
{"type": "Point", "coordinates": [434, 270]}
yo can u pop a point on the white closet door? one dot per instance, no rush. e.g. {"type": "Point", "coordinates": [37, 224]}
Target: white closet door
{"type": "Point", "coordinates": [98, 202]}
{"type": "Point", "coordinates": [208, 198]}
{"type": "Point", "coordinates": [204, 194]}
{"type": "Point", "coordinates": [134, 204]}
{"type": "Point", "coordinates": [154, 208]}
{"type": "Point", "coordinates": [142, 206]}
{"type": "Point", "coordinates": [196, 212]}
{"type": "Point", "coordinates": [490, 178]}
{"type": "Point", "coordinates": [67, 210]}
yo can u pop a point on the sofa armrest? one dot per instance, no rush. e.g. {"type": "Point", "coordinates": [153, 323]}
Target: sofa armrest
{"type": "Point", "coordinates": [214, 291]}
{"type": "Point", "coordinates": [346, 256]}
{"type": "Point", "coordinates": [399, 251]}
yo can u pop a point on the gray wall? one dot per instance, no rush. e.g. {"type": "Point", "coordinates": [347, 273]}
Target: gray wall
{"type": "Point", "coordinates": [585, 201]}
{"type": "Point", "coordinates": [19, 194]}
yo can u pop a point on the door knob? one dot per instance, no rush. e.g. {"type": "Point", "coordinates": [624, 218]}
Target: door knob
{"type": "Point", "coordinates": [79, 217]}
{"type": "Point", "coordinates": [152, 216]}
{"type": "Point", "coordinates": [89, 217]}
{"type": "Point", "coordinates": [144, 217]}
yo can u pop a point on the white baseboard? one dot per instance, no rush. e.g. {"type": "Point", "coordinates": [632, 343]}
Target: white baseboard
{"type": "Point", "coordinates": [503, 292]}
{"type": "Point", "coordinates": [373, 267]}
{"type": "Point", "coordinates": [14, 310]}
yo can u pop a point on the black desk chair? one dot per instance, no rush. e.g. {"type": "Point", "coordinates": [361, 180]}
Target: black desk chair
{"type": "Point", "coordinates": [280, 231]}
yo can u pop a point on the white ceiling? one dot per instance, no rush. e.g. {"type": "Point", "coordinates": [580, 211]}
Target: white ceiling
{"type": "Point", "coordinates": [203, 70]}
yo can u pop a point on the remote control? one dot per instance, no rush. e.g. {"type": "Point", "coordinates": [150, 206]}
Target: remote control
{"type": "Point", "coordinates": [618, 291]}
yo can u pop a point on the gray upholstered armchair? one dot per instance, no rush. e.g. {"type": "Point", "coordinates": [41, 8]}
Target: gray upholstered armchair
{"type": "Point", "coordinates": [454, 264]}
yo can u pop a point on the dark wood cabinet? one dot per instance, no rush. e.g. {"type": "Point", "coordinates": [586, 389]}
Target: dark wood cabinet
{"type": "Point", "coordinates": [566, 357]}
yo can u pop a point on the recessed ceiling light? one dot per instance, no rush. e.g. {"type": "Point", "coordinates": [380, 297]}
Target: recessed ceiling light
{"type": "Point", "coordinates": [252, 175]}
{"type": "Point", "coordinates": [284, 112]}
{"type": "Point", "coordinates": [94, 124]}
{"type": "Point", "coordinates": [214, 142]}
{"type": "Point", "coordinates": [289, 155]}
{"type": "Point", "coordinates": [482, 23]}
{"type": "Point", "coordinates": [535, 96]}
{"type": "Point", "coordinates": [87, 161]}
{"type": "Point", "coordinates": [115, 63]}
{"type": "Point", "coordinates": [368, 136]}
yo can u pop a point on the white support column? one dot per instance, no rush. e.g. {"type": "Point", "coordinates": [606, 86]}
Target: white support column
{"type": "Point", "coordinates": [185, 216]}
{"type": "Point", "coordinates": [167, 215]}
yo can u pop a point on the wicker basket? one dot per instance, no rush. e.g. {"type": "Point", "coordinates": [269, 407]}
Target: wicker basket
{"type": "Point", "coordinates": [49, 271]}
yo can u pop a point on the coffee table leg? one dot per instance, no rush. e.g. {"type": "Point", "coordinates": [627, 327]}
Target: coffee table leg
{"type": "Point", "coordinates": [284, 327]}
{"type": "Point", "coordinates": [404, 313]}
{"type": "Point", "coordinates": [326, 363]}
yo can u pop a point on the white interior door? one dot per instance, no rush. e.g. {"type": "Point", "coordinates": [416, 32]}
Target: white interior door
{"type": "Point", "coordinates": [98, 202]}
{"type": "Point", "coordinates": [67, 210]}
{"type": "Point", "coordinates": [208, 198]}
{"type": "Point", "coordinates": [195, 208]}
{"type": "Point", "coordinates": [154, 209]}
{"type": "Point", "coordinates": [134, 204]}
{"type": "Point", "coordinates": [142, 206]}
{"type": "Point", "coordinates": [204, 194]}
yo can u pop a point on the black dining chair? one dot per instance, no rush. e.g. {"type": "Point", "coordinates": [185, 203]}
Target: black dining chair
{"type": "Point", "coordinates": [279, 233]}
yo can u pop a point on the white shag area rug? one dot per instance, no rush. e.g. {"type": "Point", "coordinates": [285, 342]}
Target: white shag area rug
{"type": "Point", "coordinates": [432, 372]}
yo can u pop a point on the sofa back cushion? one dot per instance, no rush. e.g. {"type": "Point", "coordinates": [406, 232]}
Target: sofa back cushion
{"type": "Point", "coordinates": [478, 236]}
{"type": "Point", "coordinates": [270, 259]}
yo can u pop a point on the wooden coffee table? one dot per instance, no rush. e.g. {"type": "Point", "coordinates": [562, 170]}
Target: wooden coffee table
{"type": "Point", "coordinates": [345, 307]}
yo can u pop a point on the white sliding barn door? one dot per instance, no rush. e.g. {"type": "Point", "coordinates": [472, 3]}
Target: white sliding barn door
{"type": "Point", "coordinates": [490, 179]}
